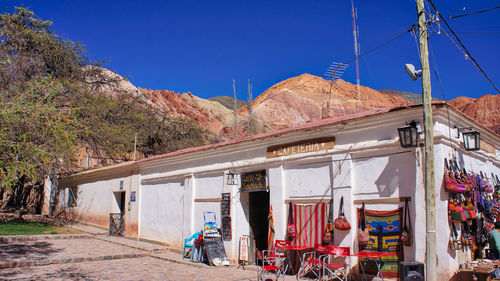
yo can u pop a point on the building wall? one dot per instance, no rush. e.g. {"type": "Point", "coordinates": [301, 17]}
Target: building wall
{"type": "Point", "coordinates": [96, 200]}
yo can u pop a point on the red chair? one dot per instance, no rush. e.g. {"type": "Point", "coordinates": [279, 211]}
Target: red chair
{"type": "Point", "coordinates": [277, 252]}
{"type": "Point", "coordinates": [312, 263]}
{"type": "Point", "coordinates": [273, 261]}
{"type": "Point", "coordinates": [336, 263]}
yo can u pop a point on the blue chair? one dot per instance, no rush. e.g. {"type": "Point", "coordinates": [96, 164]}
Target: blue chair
{"type": "Point", "coordinates": [188, 243]}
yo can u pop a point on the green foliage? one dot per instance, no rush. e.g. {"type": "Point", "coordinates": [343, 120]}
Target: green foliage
{"type": "Point", "coordinates": [32, 228]}
{"type": "Point", "coordinates": [52, 103]}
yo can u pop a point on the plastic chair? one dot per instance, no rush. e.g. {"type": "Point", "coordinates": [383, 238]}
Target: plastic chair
{"type": "Point", "coordinates": [312, 263]}
{"type": "Point", "coordinates": [188, 245]}
{"type": "Point", "coordinates": [336, 270]}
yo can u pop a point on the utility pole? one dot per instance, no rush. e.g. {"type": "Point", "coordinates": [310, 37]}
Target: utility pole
{"type": "Point", "coordinates": [430, 199]}
{"type": "Point", "coordinates": [235, 117]}
{"type": "Point", "coordinates": [135, 145]}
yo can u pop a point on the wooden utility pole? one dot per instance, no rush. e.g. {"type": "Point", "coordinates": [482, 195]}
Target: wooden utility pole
{"type": "Point", "coordinates": [235, 117]}
{"type": "Point", "coordinates": [430, 198]}
{"type": "Point", "coordinates": [356, 51]}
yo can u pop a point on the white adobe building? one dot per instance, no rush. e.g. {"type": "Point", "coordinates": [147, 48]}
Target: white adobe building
{"type": "Point", "coordinates": [365, 163]}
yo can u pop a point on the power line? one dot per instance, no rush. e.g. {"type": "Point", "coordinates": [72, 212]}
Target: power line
{"type": "Point", "coordinates": [478, 32]}
{"type": "Point", "coordinates": [470, 14]}
{"type": "Point", "coordinates": [474, 62]}
{"type": "Point", "coordinates": [360, 56]}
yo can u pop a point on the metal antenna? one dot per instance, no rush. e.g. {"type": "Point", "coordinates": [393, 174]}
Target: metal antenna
{"type": "Point", "coordinates": [235, 118]}
{"type": "Point", "coordinates": [334, 72]}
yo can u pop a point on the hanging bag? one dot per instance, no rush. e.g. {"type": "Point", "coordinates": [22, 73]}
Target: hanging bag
{"type": "Point", "coordinates": [406, 233]}
{"type": "Point", "coordinates": [451, 182]}
{"type": "Point", "coordinates": [291, 230]}
{"type": "Point", "coordinates": [341, 222]}
{"type": "Point", "coordinates": [328, 236]}
{"type": "Point", "coordinates": [363, 233]}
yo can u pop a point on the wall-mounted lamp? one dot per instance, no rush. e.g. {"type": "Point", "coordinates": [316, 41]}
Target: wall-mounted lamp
{"type": "Point", "coordinates": [232, 177]}
{"type": "Point", "coordinates": [472, 139]}
{"type": "Point", "coordinates": [408, 134]}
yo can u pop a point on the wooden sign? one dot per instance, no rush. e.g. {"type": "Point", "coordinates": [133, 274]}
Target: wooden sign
{"type": "Point", "coordinates": [305, 146]}
{"type": "Point", "coordinates": [487, 147]}
{"type": "Point", "coordinates": [244, 240]}
{"type": "Point", "coordinates": [253, 181]}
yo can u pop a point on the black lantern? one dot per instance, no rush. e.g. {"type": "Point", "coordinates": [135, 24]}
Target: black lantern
{"type": "Point", "coordinates": [232, 178]}
{"type": "Point", "coordinates": [408, 135]}
{"type": "Point", "coordinates": [472, 140]}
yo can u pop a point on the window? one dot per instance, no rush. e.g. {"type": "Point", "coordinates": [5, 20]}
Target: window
{"type": "Point", "coordinates": [72, 196]}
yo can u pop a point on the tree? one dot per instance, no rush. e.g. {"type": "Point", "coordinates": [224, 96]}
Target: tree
{"type": "Point", "coordinates": [51, 105]}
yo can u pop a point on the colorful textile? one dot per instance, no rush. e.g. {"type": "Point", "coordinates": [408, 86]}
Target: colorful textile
{"type": "Point", "coordinates": [310, 221]}
{"type": "Point", "coordinates": [385, 231]}
{"type": "Point", "coordinates": [270, 232]}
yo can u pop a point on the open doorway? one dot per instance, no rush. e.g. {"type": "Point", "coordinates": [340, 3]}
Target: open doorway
{"type": "Point", "coordinates": [116, 219]}
{"type": "Point", "coordinates": [120, 200]}
{"type": "Point", "coordinates": [259, 224]}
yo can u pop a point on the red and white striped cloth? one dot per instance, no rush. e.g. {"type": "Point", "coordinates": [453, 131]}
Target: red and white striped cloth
{"type": "Point", "coordinates": [310, 221]}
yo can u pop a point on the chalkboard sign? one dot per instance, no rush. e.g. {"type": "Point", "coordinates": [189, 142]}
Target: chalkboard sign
{"type": "Point", "coordinates": [225, 205]}
{"type": "Point", "coordinates": [253, 181]}
{"type": "Point", "coordinates": [226, 228]}
{"type": "Point", "coordinates": [214, 247]}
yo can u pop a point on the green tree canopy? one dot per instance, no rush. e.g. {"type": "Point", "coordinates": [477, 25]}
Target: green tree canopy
{"type": "Point", "coordinates": [51, 105]}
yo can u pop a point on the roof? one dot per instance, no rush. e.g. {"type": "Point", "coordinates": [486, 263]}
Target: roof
{"type": "Point", "coordinates": [307, 126]}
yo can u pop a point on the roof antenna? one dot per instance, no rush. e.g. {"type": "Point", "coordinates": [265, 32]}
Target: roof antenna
{"type": "Point", "coordinates": [333, 72]}
{"type": "Point", "coordinates": [354, 13]}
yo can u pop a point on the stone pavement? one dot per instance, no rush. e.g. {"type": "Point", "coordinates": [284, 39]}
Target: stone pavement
{"type": "Point", "coordinates": [96, 256]}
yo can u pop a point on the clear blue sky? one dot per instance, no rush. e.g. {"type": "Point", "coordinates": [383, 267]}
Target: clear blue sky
{"type": "Point", "coordinates": [200, 46]}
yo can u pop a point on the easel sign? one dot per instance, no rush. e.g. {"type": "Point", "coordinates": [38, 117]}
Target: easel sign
{"type": "Point", "coordinates": [244, 241]}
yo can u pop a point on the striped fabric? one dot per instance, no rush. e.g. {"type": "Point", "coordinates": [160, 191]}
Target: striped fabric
{"type": "Point", "coordinates": [310, 221]}
{"type": "Point", "coordinates": [270, 232]}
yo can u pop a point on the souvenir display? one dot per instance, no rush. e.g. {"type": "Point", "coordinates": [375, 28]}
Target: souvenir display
{"type": "Point", "coordinates": [473, 207]}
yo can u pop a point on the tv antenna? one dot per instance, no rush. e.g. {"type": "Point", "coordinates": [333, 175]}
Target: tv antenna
{"type": "Point", "coordinates": [334, 72]}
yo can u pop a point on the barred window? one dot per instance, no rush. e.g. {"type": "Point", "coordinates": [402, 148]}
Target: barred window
{"type": "Point", "coordinates": [72, 196]}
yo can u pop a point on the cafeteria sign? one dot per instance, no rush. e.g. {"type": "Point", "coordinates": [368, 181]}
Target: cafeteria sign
{"type": "Point", "coordinates": [305, 146]}
{"type": "Point", "coordinates": [253, 181]}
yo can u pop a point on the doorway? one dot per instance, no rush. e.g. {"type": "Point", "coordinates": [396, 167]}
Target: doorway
{"type": "Point", "coordinates": [259, 224]}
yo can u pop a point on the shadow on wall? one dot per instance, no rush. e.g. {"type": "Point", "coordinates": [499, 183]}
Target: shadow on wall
{"type": "Point", "coordinates": [399, 176]}
{"type": "Point", "coordinates": [398, 173]}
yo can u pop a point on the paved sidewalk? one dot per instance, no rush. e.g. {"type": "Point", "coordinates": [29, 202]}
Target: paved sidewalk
{"type": "Point", "coordinates": [97, 256]}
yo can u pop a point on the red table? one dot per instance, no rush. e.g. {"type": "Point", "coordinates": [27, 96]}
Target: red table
{"type": "Point", "coordinates": [372, 256]}
{"type": "Point", "coordinates": [295, 260]}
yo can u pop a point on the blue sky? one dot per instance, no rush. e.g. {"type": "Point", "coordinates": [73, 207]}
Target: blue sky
{"type": "Point", "coordinates": [200, 46]}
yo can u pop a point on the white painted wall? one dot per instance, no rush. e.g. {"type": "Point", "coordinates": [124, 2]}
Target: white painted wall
{"type": "Point", "coordinates": [163, 213]}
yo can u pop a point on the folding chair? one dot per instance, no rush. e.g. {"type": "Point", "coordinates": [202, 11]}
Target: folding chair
{"type": "Point", "coordinates": [277, 253]}
{"type": "Point", "coordinates": [312, 263]}
{"type": "Point", "coordinates": [333, 269]}
{"type": "Point", "coordinates": [272, 264]}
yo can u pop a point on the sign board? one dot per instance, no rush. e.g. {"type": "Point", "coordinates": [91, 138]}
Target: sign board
{"type": "Point", "coordinates": [225, 205]}
{"type": "Point", "coordinates": [121, 185]}
{"type": "Point", "coordinates": [225, 210]}
{"type": "Point", "coordinates": [253, 181]}
{"type": "Point", "coordinates": [486, 146]}
{"type": "Point", "coordinates": [305, 146]}
{"type": "Point", "coordinates": [244, 248]}
{"type": "Point", "coordinates": [132, 196]}
{"type": "Point", "coordinates": [226, 228]}
{"type": "Point", "coordinates": [214, 247]}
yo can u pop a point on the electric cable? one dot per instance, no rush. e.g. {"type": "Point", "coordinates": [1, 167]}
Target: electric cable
{"type": "Point", "coordinates": [474, 62]}
{"type": "Point", "coordinates": [474, 13]}
{"type": "Point", "coordinates": [360, 56]}
{"type": "Point", "coordinates": [478, 32]}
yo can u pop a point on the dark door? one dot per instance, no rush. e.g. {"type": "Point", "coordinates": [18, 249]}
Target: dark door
{"type": "Point", "coordinates": [259, 212]}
